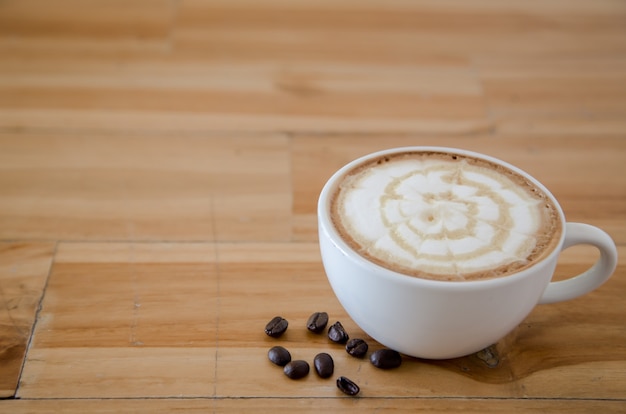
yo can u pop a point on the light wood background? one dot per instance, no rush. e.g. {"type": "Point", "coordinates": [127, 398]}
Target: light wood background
{"type": "Point", "coordinates": [160, 162]}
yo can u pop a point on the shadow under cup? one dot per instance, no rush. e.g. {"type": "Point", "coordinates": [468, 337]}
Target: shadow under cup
{"type": "Point", "coordinates": [438, 319]}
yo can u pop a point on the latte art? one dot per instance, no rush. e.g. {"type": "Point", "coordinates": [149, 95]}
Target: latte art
{"type": "Point", "coordinates": [443, 216]}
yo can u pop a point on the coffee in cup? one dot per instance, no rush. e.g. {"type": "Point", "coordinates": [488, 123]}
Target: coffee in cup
{"type": "Point", "coordinates": [440, 252]}
{"type": "Point", "coordinates": [444, 216]}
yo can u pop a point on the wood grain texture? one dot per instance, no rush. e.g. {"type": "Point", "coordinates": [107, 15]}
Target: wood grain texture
{"type": "Point", "coordinates": [186, 320]}
{"type": "Point", "coordinates": [160, 163]}
{"type": "Point", "coordinates": [144, 188]}
{"type": "Point", "coordinates": [278, 405]}
{"type": "Point", "coordinates": [24, 269]}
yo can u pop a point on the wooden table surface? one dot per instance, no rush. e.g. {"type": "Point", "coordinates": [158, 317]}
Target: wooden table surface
{"type": "Point", "coordinates": [160, 162]}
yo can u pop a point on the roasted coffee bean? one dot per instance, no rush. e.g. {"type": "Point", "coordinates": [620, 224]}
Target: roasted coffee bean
{"type": "Point", "coordinates": [297, 369]}
{"type": "Point", "coordinates": [336, 333]}
{"type": "Point", "coordinates": [386, 359]}
{"type": "Point", "coordinates": [347, 386]}
{"type": "Point", "coordinates": [276, 327]}
{"type": "Point", "coordinates": [317, 322]}
{"type": "Point", "coordinates": [324, 365]}
{"type": "Point", "coordinates": [279, 355]}
{"type": "Point", "coordinates": [357, 347]}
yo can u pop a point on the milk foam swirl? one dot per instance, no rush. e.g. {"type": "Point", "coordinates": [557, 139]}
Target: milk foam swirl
{"type": "Point", "coordinates": [441, 216]}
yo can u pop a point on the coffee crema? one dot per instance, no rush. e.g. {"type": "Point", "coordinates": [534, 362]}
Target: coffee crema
{"type": "Point", "coordinates": [444, 216]}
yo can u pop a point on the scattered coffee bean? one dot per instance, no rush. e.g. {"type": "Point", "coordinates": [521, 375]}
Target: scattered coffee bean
{"type": "Point", "coordinates": [297, 369]}
{"type": "Point", "coordinates": [357, 347]}
{"type": "Point", "coordinates": [386, 359]}
{"type": "Point", "coordinates": [279, 355]}
{"type": "Point", "coordinates": [317, 322]}
{"type": "Point", "coordinates": [347, 386]}
{"type": "Point", "coordinates": [336, 333]}
{"type": "Point", "coordinates": [324, 365]}
{"type": "Point", "coordinates": [276, 327]}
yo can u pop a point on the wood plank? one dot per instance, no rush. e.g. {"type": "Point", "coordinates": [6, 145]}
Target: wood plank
{"type": "Point", "coordinates": [115, 28]}
{"type": "Point", "coordinates": [581, 96]}
{"type": "Point", "coordinates": [191, 95]}
{"type": "Point", "coordinates": [397, 32]}
{"type": "Point", "coordinates": [144, 188]}
{"type": "Point", "coordinates": [24, 269]}
{"type": "Point", "coordinates": [141, 324]}
{"type": "Point", "coordinates": [99, 18]}
{"type": "Point", "coordinates": [101, 372]}
{"type": "Point", "coordinates": [421, 37]}
{"type": "Point", "coordinates": [83, 121]}
{"type": "Point", "coordinates": [124, 328]}
{"type": "Point", "coordinates": [573, 96]}
{"type": "Point", "coordinates": [290, 405]}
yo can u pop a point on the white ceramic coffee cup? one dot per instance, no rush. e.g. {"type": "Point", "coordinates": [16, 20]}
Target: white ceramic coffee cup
{"type": "Point", "coordinates": [443, 319]}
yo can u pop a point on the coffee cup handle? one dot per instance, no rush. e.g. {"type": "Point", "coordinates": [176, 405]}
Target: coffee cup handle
{"type": "Point", "coordinates": [578, 233]}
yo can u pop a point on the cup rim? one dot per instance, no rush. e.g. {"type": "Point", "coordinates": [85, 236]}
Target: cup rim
{"type": "Point", "coordinates": [326, 226]}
